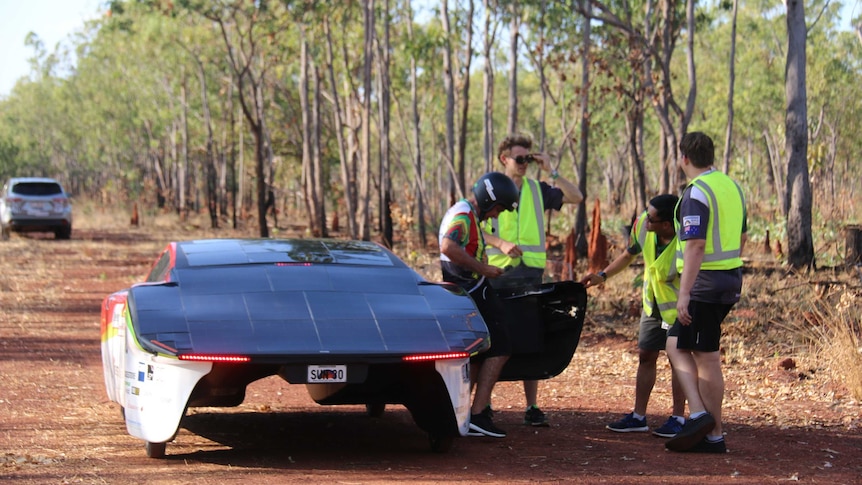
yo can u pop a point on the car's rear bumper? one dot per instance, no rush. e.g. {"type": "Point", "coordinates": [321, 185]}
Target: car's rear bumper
{"type": "Point", "coordinates": [37, 225]}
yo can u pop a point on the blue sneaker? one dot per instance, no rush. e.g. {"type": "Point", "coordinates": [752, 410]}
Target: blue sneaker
{"type": "Point", "coordinates": [629, 425]}
{"type": "Point", "coordinates": [669, 429]}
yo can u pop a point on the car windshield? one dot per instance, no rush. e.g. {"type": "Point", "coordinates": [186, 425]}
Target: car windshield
{"type": "Point", "coordinates": [37, 188]}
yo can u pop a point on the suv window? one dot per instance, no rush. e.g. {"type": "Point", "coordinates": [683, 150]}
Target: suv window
{"type": "Point", "coordinates": [37, 188]}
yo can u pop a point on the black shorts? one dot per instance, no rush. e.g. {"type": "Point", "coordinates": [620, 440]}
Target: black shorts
{"type": "Point", "coordinates": [704, 332]}
{"type": "Point", "coordinates": [493, 311]}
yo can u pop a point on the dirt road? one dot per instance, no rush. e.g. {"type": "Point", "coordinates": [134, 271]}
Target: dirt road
{"type": "Point", "coordinates": [58, 426]}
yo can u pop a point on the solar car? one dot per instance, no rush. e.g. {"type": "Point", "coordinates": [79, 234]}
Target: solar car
{"type": "Point", "coordinates": [347, 319]}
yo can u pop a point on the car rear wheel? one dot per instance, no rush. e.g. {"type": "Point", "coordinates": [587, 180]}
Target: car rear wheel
{"type": "Point", "coordinates": [4, 233]}
{"type": "Point", "coordinates": [64, 233]}
{"type": "Point", "coordinates": [156, 450]}
{"type": "Point", "coordinates": [440, 443]}
{"type": "Point", "coordinates": [375, 409]}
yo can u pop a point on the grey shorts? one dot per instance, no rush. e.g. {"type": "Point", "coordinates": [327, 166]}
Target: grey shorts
{"type": "Point", "coordinates": [651, 335]}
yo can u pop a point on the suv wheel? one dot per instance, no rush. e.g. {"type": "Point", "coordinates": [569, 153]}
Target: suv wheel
{"type": "Point", "coordinates": [4, 232]}
{"type": "Point", "coordinates": [64, 233]}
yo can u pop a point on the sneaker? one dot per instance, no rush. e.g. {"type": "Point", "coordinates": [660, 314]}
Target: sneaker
{"type": "Point", "coordinates": [706, 446]}
{"type": "Point", "coordinates": [669, 429]}
{"type": "Point", "coordinates": [535, 417]}
{"type": "Point", "coordinates": [692, 432]}
{"type": "Point", "coordinates": [488, 411]}
{"type": "Point", "coordinates": [482, 425]}
{"type": "Point", "coordinates": [629, 424]}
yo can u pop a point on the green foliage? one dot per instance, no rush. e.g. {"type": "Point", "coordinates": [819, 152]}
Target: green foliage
{"type": "Point", "coordinates": [144, 73]}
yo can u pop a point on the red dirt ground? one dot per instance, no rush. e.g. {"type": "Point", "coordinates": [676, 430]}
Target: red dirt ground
{"type": "Point", "coordinates": [58, 426]}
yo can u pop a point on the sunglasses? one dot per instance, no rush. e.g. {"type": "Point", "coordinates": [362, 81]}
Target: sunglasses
{"type": "Point", "coordinates": [523, 159]}
{"type": "Point", "coordinates": [654, 221]}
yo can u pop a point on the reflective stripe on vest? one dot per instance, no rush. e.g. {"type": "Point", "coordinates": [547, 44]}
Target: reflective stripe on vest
{"type": "Point", "coordinates": [720, 252]}
{"type": "Point", "coordinates": [661, 279]}
{"type": "Point", "coordinates": [525, 226]}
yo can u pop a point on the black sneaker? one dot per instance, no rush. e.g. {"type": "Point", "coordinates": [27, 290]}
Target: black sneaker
{"type": "Point", "coordinates": [482, 425]}
{"type": "Point", "coordinates": [629, 424]}
{"type": "Point", "coordinates": [692, 433]}
{"type": "Point", "coordinates": [535, 417]}
{"type": "Point", "coordinates": [669, 429]}
{"type": "Point", "coordinates": [706, 446]}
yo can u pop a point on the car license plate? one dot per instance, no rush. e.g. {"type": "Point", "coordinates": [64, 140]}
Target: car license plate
{"type": "Point", "coordinates": [327, 373]}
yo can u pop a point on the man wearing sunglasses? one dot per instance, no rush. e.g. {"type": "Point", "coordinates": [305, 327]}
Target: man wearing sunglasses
{"type": "Point", "coordinates": [517, 238]}
{"type": "Point", "coordinates": [654, 236]}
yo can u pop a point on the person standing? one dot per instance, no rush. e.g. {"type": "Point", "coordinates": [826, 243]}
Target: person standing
{"type": "Point", "coordinates": [654, 236]}
{"type": "Point", "coordinates": [518, 237]}
{"type": "Point", "coordinates": [712, 223]}
{"type": "Point", "coordinates": [462, 261]}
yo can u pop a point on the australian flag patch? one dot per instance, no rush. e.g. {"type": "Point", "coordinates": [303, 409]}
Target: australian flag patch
{"type": "Point", "coordinates": [690, 225]}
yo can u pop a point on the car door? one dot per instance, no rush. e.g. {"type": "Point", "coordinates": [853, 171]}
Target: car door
{"type": "Point", "coordinates": [545, 329]}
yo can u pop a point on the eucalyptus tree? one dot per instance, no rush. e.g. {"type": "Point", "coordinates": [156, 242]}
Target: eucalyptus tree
{"type": "Point", "coordinates": [490, 29]}
{"type": "Point", "coordinates": [797, 201]}
{"type": "Point", "coordinates": [252, 33]}
{"type": "Point", "coordinates": [657, 32]}
{"type": "Point", "coordinates": [455, 185]}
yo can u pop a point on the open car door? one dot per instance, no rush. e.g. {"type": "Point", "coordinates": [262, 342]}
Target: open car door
{"type": "Point", "coordinates": [545, 329]}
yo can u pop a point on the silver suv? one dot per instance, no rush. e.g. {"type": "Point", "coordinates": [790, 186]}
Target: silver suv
{"type": "Point", "coordinates": [34, 204]}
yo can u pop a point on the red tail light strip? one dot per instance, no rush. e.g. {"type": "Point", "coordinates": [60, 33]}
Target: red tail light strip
{"type": "Point", "coordinates": [440, 356]}
{"type": "Point", "coordinates": [235, 359]}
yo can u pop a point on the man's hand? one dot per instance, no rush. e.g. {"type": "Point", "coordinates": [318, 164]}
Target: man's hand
{"type": "Point", "coordinates": [592, 280]}
{"type": "Point", "coordinates": [510, 249]}
{"type": "Point", "coordinates": [489, 271]}
{"type": "Point", "coordinates": [682, 309]}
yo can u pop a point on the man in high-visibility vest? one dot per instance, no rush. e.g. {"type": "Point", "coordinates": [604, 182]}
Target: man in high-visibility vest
{"type": "Point", "coordinates": [654, 236]}
{"type": "Point", "coordinates": [711, 227]}
{"type": "Point", "coordinates": [517, 238]}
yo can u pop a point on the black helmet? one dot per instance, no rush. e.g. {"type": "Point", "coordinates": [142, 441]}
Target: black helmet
{"type": "Point", "coordinates": [495, 188]}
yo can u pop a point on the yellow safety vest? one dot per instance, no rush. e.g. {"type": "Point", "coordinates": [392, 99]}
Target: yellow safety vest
{"type": "Point", "coordinates": [524, 226]}
{"type": "Point", "coordinates": [724, 229]}
{"type": "Point", "coordinates": [661, 279]}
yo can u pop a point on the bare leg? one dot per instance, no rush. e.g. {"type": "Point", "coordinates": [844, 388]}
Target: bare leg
{"type": "Point", "coordinates": [488, 374]}
{"type": "Point", "coordinates": [645, 380]}
{"type": "Point", "coordinates": [531, 392]}
{"type": "Point", "coordinates": [678, 394]}
{"type": "Point", "coordinates": [710, 385]}
{"type": "Point", "coordinates": [686, 373]}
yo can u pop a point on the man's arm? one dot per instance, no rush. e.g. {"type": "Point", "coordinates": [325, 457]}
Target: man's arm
{"type": "Point", "coordinates": [692, 258]}
{"type": "Point", "coordinates": [620, 263]}
{"type": "Point", "coordinates": [456, 253]}
{"type": "Point", "coordinates": [510, 249]}
{"type": "Point", "coordinates": [571, 193]}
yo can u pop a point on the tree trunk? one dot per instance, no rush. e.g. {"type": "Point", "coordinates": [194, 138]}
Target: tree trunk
{"type": "Point", "coordinates": [465, 98]}
{"type": "Point", "coordinates": [728, 138]}
{"type": "Point", "coordinates": [309, 185]}
{"type": "Point", "coordinates": [365, 159]}
{"type": "Point", "coordinates": [581, 218]}
{"type": "Point", "coordinates": [384, 108]}
{"type": "Point", "coordinates": [319, 200]}
{"type": "Point", "coordinates": [512, 124]}
{"type": "Point", "coordinates": [418, 183]}
{"type": "Point", "coordinates": [349, 190]}
{"type": "Point", "coordinates": [490, 34]}
{"type": "Point", "coordinates": [183, 166]}
{"type": "Point", "coordinates": [800, 250]}
{"type": "Point", "coordinates": [449, 87]}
